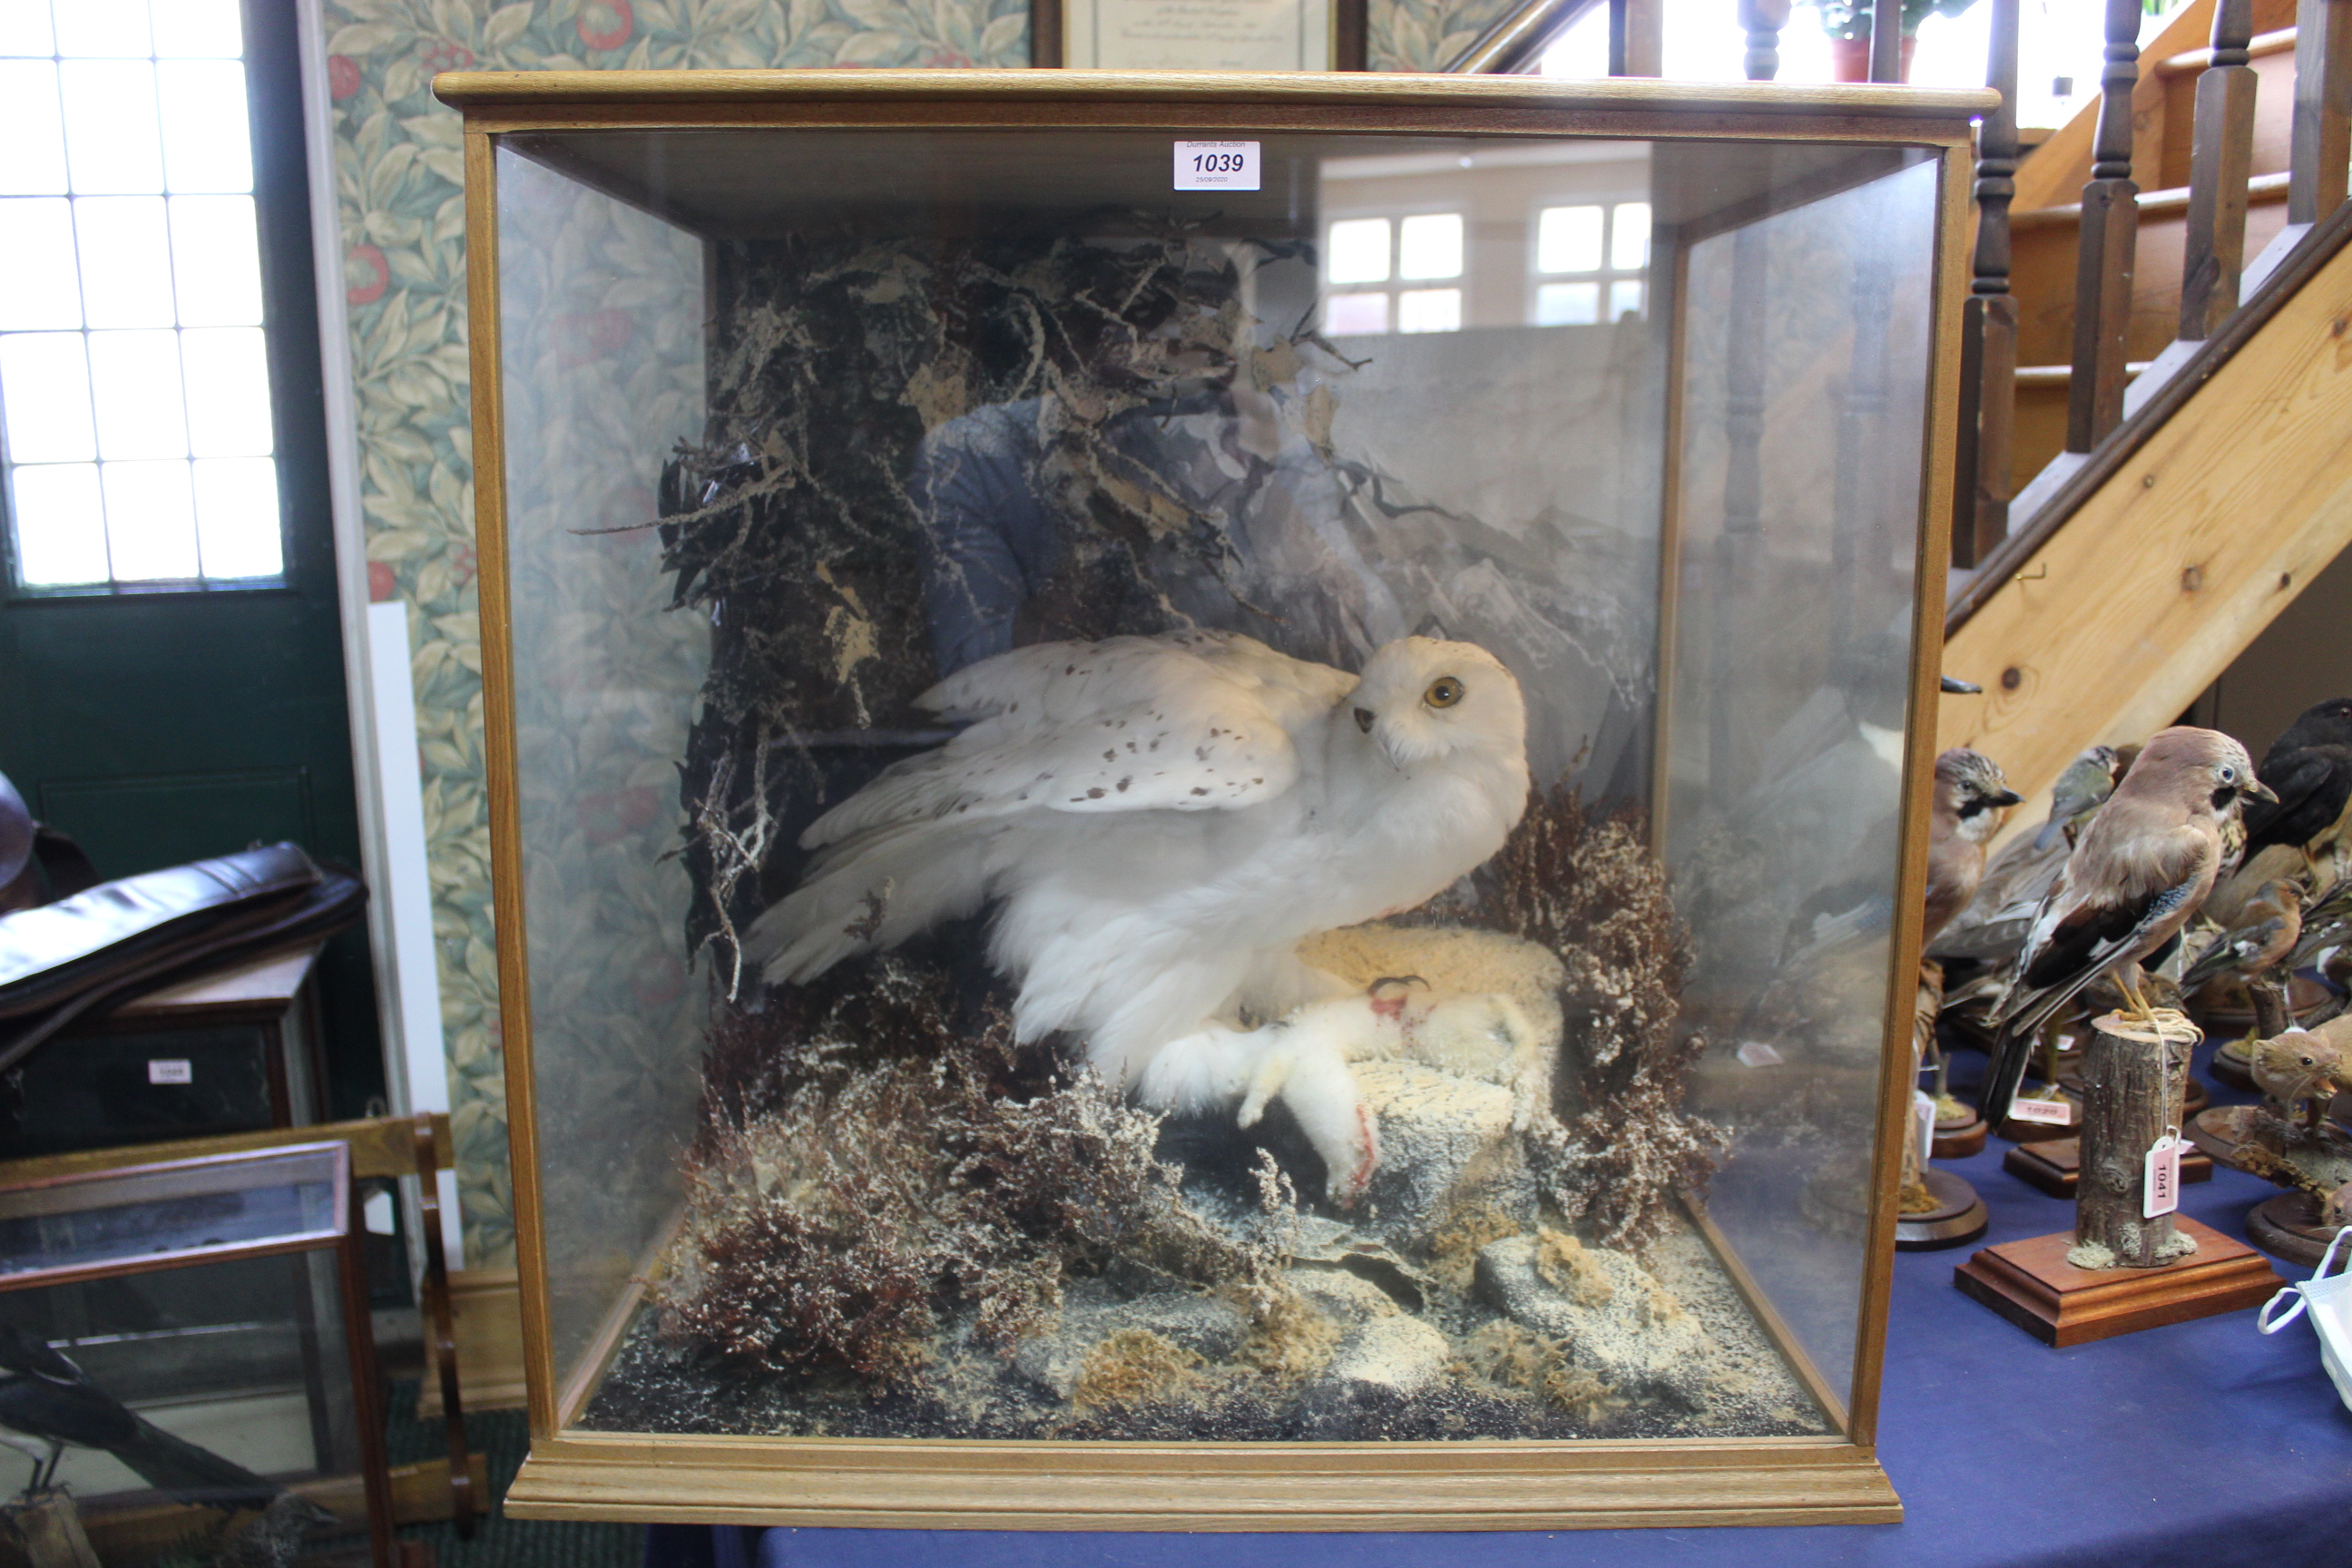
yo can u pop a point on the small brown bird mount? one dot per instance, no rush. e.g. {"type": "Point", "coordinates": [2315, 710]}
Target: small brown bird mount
{"type": "Point", "coordinates": [2130, 1263]}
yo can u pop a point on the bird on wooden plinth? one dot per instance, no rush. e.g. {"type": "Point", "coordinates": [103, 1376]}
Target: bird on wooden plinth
{"type": "Point", "coordinates": [1991, 927]}
{"type": "Point", "coordinates": [2252, 950]}
{"type": "Point", "coordinates": [1971, 800]}
{"type": "Point", "coordinates": [2310, 768]}
{"type": "Point", "coordinates": [2143, 866]}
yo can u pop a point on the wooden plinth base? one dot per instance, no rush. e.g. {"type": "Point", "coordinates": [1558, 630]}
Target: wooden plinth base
{"type": "Point", "coordinates": [2230, 1068]}
{"type": "Point", "coordinates": [2218, 1130]}
{"type": "Point", "coordinates": [2289, 1226]}
{"type": "Point", "coordinates": [1958, 1219]}
{"type": "Point", "coordinates": [2018, 1131]}
{"type": "Point", "coordinates": [2032, 1284]}
{"type": "Point", "coordinates": [1958, 1140]}
{"type": "Point", "coordinates": [2056, 1167]}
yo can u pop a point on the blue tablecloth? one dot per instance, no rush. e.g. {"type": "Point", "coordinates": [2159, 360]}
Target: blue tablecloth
{"type": "Point", "coordinates": [2204, 1445]}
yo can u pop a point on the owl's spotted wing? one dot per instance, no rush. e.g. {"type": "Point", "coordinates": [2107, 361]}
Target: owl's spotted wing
{"type": "Point", "coordinates": [1194, 721]}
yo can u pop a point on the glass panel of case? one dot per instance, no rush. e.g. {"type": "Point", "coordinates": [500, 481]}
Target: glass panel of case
{"type": "Point", "coordinates": [1278, 1024]}
{"type": "Point", "coordinates": [191, 1398]}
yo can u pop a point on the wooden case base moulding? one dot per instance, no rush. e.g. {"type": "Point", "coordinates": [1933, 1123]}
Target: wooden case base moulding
{"type": "Point", "coordinates": [1226, 1486]}
{"type": "Point", "coordinates": [1958, 1218]}
{"type": "Point", "coordinates": [2056, 1167]}
{"type": "Point", "coordinates": [2032, 1284]}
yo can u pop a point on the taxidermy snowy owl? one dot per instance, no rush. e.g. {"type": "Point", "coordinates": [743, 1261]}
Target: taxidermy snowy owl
{"type": "Point", "coordinates": [1160, 822]}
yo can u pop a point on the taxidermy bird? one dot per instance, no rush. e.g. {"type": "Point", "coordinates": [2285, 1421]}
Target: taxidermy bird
{"type": "Point", "coordinates": [1993, 924]}
{"type": "Point", "coordinates": [1160, 821]}
{"type": "Point", "coordinates": [2303, 1071]}
{"type": "Point", "coordinates": [48, 1405]}
{"type": "Point", "coordinates": [2250, 950]}
{"type": "Point", "coordinates": [2145, 864]}
{"type": "Point", "coordinates": [1972, 798]}
{"type": "Point", "coordinates": [2310, 767]}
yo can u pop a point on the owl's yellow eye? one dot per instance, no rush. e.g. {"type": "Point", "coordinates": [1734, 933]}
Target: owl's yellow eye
{"type": "Point", "coordinates": [1443, 692]}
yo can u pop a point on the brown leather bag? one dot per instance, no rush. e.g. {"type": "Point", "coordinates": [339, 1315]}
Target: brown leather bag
{"type": "Point", "coordinates": [120, 939]}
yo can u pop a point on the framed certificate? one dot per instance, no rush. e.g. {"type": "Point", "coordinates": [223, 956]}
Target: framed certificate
{"type": "Point", "coordinates": [1199, 34]}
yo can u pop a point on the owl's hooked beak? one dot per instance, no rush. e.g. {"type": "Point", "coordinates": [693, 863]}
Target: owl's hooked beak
{"type": "Point", "coordinates": [1364, 717]}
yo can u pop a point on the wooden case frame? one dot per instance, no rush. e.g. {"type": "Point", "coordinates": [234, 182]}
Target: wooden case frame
{"type": "Point", "coordinates": [965, 1484]}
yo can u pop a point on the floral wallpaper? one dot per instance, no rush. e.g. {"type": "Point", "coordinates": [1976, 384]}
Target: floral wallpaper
{"type": "Point", "coordinates": [400, 194]}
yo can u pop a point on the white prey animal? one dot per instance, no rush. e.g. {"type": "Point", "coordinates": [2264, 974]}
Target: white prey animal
{"type": "Point", "coordinates": [1161, 821]}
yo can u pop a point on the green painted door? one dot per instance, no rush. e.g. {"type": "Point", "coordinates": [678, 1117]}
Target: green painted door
{"type": "Point", "coordinates": [171, 659]}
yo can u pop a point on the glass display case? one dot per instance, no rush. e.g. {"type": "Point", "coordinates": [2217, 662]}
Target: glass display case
{"type": "Point", "coordinates": [1208, 795]}
{"type": "Point", "coordinates": [188, 1360]}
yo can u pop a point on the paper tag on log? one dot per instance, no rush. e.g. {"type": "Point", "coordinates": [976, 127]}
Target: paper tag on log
{"type": "Point", "coordinates": [2056, 1112]}
{"type": "Point", "coordinates": [2160, 1178]}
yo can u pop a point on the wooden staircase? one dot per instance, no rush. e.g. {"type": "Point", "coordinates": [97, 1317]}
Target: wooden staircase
{"type": "Point", "coordinates": [2209, 423]}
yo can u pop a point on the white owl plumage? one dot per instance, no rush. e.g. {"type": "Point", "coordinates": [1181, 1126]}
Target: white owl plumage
{"type": "Point", "coordinates": [1161, 821]}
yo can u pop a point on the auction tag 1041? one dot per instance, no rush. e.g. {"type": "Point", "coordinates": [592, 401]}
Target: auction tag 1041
{"type": "Point", "coordinates": [1216, 165]}
{"type": "Point", "coordinates": [2160, 1177]}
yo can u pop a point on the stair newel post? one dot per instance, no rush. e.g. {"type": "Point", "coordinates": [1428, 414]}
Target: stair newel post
{"type": "Point", "coordinates": [1989, 321]}
{"type": "Point", "coordinates": [1763, 19]}
{"type": "Point", "coordinates": [2219, 165]}
{"type": "Point", "coordinates": [1887, 40]}
{"type": "Point", "coordinates": [2323, 109]}
{"type": "Point", "coordinates": [2110, 232]}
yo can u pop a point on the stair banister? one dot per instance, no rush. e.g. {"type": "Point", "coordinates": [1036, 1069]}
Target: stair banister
{"type": "Point", "coordinates": [1989, 321]}
{"type": "Point", "coordinates": [2221, 162]}
{"type": "Point", "coordinates": [2323, 109]}
{"type": "Point", "coordinates": [2110, 234]}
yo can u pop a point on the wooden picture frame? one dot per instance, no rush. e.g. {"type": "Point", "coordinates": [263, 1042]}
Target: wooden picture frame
{"type": "Point", "coordinates": [574, 1473]}
{"type": "Point", "coordinates": [1333, 36]}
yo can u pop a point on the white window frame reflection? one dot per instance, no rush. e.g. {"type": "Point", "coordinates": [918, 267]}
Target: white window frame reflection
{"type": "Point", "coordinates": [1563, 291]}
{"type": "Point", "coordinates": [216, 520]}
{"type": "Point", "coordinates": [1360, 301]}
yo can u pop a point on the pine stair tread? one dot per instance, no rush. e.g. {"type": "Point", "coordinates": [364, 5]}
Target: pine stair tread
{"type": "Point", "coordinates": [2064, 375]}
{"type": "Point", "coordinates": [2260, 189]}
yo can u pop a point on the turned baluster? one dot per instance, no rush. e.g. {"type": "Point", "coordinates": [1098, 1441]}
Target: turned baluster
{"type": "Point", "coordinates": [2219, 165]}
{"type": "Point", "coordinates": [1763, 19]}
{"type": "Point", "coordinates": [1989, 322]}
{"type": "Point", "coordinates": [1887, 40]}
{"type": "Point", "coordinates": [2323, 109]}
{"type": "Point", "coordinates": [2110, 231]}
{"type": "Point", "coordinates": [1637, 43]}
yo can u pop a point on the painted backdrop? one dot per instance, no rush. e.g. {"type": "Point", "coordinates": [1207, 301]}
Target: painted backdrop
{"type": "Point", "coordinates": [400, 179]}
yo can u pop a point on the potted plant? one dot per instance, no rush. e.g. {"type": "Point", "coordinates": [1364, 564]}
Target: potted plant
{"type": "Point", "coordinates": [1847, 22]}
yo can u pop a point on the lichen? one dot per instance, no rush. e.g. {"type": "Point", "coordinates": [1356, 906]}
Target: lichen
{"type": "Point", "coordinates": [1564, 1265]}
{"type": "Point", "coordinates": [1621, 1144]}
{"type": "Point", "coordinates": [1513, 1356]}
{"type": "Point", "coordinates": [1135, 1367]}
{"type": "Point", "coordinates": [840, 1209]}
